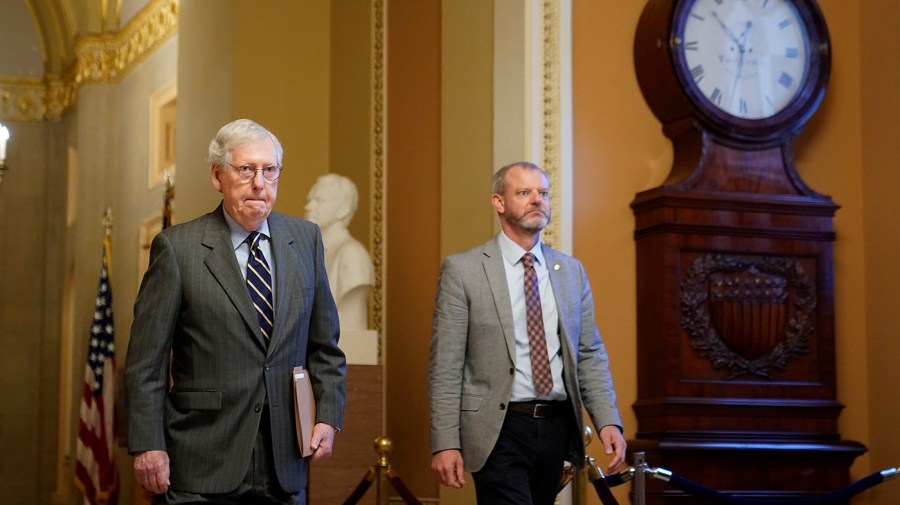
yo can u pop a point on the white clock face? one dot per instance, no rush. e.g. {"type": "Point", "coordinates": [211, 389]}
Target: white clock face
{"type": "Point", "coordinates": [747, 57]}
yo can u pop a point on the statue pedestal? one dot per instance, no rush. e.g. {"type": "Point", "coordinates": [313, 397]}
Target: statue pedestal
{"type": "Point", "coordinates": [360, 346]}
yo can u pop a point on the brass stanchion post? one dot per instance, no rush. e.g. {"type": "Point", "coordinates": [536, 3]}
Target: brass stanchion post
{"type": "Point", "coordinates": [383, 446]}
{"type": "Point", "coordinates": [385, 476]}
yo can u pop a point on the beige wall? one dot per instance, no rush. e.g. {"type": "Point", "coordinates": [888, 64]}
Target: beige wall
{"type": "Point", "coordinates": [31, 259]}
{"type": "Point", "coordinates": [205, 89]}
{"type": "Point", "coordinates": [466, 123]}
{"type": "Point", "coordinates": [880, 107]}
{"type": "Point", "coordinates": [829, 158]}
{"type": "Point", "coordinates": [302, 70]}
{"type": "Point", "coordinates": [619, 150]}
{"type": "Point", "coordinates": [413, 231]}
{"type": "Point", "coordinates": [350, 107]}
{"type": "Point", "coordinates": [281, 79]}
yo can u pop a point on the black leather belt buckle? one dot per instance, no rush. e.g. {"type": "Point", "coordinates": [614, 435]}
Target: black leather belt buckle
{"type": "Point", "coordinates": [543, 410]}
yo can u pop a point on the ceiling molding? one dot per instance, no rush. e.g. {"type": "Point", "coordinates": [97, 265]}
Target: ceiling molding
{"type": "Point", "coordinates": [98, 59]}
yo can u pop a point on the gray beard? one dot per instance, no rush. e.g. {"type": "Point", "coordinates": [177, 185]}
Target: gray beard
{"type": "Point", "coordinates": [532, 223]}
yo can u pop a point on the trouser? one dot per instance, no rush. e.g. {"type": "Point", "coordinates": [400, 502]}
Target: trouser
{"type": "Point", "coordinates": [526, 464]}
{"type": "Point", "coordinates": [260, 485]}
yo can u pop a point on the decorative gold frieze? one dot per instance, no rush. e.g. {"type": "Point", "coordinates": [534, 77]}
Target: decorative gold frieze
{"type": "Point", "coordinates": [21, 99]}
{"type": "Point", "coordinates": [550, 102]}
{"type": "Point", "coordinates": [99, 59]}
{"type": "Point", "coordinates": [379, 130]}
{"type": "Point", "coordinates": [107, 58]}
{"type": "Point", "coordinates": [59, 96]}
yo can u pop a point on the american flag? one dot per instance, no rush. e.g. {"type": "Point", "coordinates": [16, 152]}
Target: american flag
{"type": "Point", "coordinates": [95, 467]}
{"type": "Point", "coordinates": [168, 200]}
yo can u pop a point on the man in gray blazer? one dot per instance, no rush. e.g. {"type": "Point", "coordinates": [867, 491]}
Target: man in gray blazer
{"type": "Point", "coordinates": [208, 374]}
{"type": "Point", "coordinates": [510, 375]}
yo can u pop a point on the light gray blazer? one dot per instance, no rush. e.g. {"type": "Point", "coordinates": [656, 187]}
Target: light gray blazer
{"type": "Point", "coordinates": [194, 303]}
{"type": "Point", "coordinates": [471, 365]}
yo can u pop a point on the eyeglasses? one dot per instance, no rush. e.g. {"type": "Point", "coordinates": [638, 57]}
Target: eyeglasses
{"type": "Point", "coordinates": [246, 172]}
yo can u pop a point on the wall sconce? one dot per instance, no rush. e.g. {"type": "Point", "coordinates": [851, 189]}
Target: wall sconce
{"type": "Point", "coordinates": [4, 136]}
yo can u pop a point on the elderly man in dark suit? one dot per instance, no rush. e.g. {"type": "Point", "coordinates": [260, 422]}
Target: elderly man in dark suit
{"type": "Point", "coordinates": [230, 304]}
{"type": "Point", "coordinates": [516, 357]}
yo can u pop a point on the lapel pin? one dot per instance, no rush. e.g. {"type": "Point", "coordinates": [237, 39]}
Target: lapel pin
{"type": "Point", "coordinates": [556, 266]}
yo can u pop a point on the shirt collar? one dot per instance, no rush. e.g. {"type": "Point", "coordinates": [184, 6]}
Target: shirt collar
{"type": "Point", "coordinates": [513, 252]}
{"type": "Point", "coordinates": [239, 234]}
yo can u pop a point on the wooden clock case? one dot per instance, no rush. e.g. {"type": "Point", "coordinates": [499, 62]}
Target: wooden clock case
{"type": "Point", "coordinates": [735, 292]}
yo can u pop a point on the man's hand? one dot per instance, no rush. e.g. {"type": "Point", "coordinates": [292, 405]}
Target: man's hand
{"type": "Point", "coordinates": [151, 468]}
{"type": "Point", "coordinates": [322, 441]}
{"type": "Point", "coordinates": [447, 466]}
{"type": "Point", "coordinates": [613, 443]}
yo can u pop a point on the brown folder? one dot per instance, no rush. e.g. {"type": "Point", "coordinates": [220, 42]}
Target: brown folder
{"type": "Point", "coordinates": [304, 409]}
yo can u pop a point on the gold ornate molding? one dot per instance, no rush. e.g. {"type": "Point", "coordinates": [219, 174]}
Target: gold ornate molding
{"type": "Point", "coordinates": [99, 59]}
{"type": "Point", "coordinates": [22, 99]}
{"type": "Point", "coordinates": [379, 147]}
{"type": "Point", "coordinates": [105, 58]}
{"type": "Point", "coordinates": [550, 101]}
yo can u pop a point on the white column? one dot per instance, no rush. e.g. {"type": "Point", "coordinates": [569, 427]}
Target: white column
{"type": "Point", "coordinates": [533, 98]}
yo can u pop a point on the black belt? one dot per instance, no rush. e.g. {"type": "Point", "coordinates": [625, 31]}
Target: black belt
{"type": "Point", "coordinates": [539, 409]}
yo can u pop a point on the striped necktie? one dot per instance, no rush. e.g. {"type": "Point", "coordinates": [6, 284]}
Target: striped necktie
{"type": "Point", "coordinates": [259, 284]}
{"type": "Point", "coordinates": [537, 340]}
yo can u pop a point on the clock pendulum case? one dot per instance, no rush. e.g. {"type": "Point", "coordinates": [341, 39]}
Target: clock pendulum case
{"type": "Point", "coordinates": [735, 261]}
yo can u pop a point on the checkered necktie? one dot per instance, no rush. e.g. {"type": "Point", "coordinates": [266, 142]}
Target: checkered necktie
{"type": "Point", "coordinates": [259, 284]}
{"type": "Point", "coordinates": [537, 341]}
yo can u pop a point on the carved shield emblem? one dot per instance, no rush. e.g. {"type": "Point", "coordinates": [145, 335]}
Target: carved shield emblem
{"type": "Point", "coordinates": [748, 310]}
{"type": "Point", "coordinates": [748, 314]}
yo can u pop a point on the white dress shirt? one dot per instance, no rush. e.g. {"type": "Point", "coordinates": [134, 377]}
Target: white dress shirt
{"type": "Point", "coordinates": [523, 384]}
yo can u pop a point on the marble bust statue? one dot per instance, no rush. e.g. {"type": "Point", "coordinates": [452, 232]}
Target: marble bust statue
{"type": "Point", "coordinates": [331, 203]}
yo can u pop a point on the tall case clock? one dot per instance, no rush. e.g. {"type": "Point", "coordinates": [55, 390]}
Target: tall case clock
{"type": "Point", "coordinates": [735, 255]}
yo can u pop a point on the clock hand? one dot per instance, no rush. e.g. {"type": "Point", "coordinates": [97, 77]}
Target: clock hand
{"type": "Point", "coordinates": [737, 78]}
{"type": "Point", "coordinates": [727, 30]}
{"type": "Point", "coordinates": [738, 75]}
{"type": "Point", "coordinates": [745, 33]}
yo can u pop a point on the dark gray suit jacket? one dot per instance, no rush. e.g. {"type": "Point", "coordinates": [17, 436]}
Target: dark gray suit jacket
{"type": "Point", "coordinates": [194, 303]}
{"type": "Point", "coordinates": [472, 360]}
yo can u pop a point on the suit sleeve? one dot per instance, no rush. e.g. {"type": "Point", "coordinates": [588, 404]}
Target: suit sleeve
{"type": "Point", "coordinates": [147, 360]}
{"type": "Point", "coordinates": [324, 359]}
{"type": "Point", "coordinates": [594, 376]}
{"type": "Point", "coordinates": [447, 358]}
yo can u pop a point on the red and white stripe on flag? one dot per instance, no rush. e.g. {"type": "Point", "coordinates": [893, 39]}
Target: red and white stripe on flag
{"type": "Point", "coordinates": [95, 468]}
